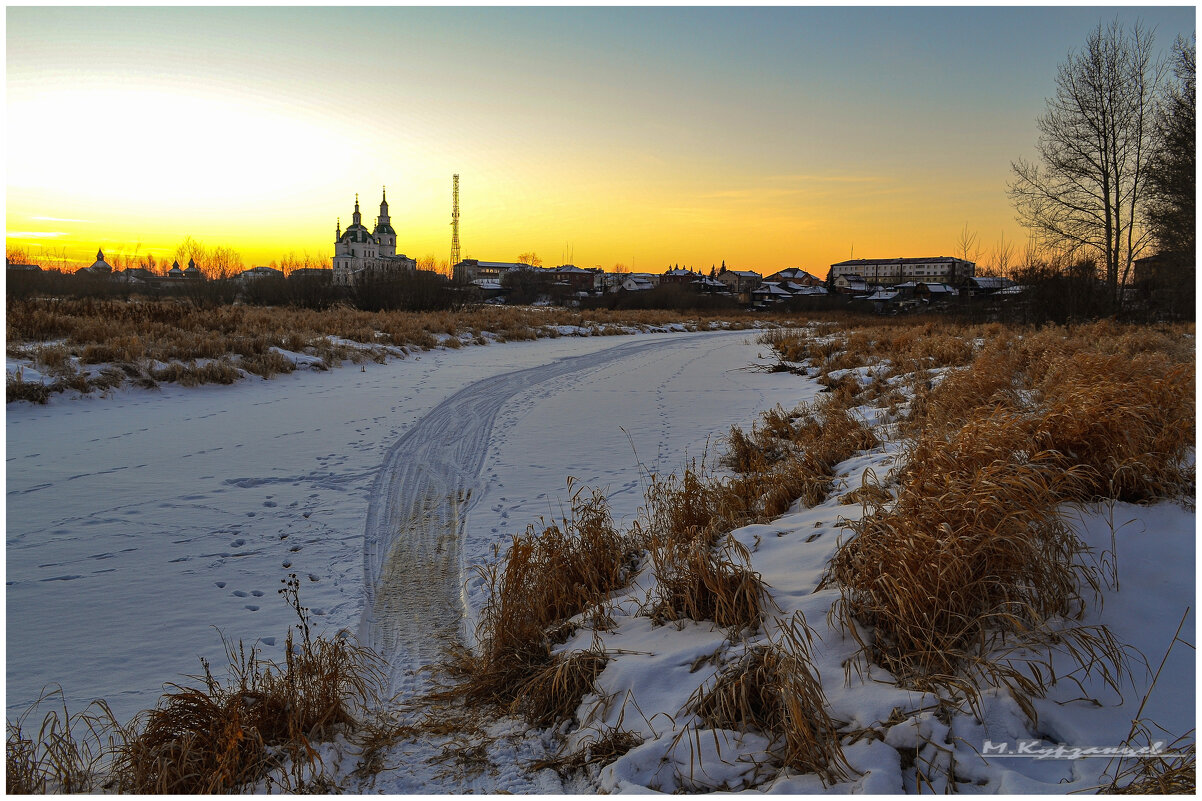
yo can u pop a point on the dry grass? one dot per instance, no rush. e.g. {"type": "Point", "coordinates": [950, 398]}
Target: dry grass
{"type": "Point", "coordinates": [548, 577]}
{"type": "Point", "coordinates": [775, 690]}
{"type": "Point", "coordinates": [594, 752]}
{"type": "Point", "coordinates": [260, 724]}
{"type": "Point", "coordinates": [67, 752]}
{"type": "Point", "coordinates": [974, 561]}
{"type": "Point", "coordinates": [143, 331]}
{"type": "Point", "coordinates": [791, 456]}
{"type": "Point", "coordinates": [1174, 773]}
{"type": "Point", "coordinates": [697, 581]}
{"type": "Point", "coordinates": [223, 736]}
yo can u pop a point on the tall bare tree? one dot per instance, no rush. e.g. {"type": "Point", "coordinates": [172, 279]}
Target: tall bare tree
{"type": "Point", "coordinates": [1172, 206]}
{"type": "Point", "coordinates": [968, 246]}
{"type": "Point", "coordinates": [531, 258]}
{"type": "Point", "coordinates": [1086, 194]}
{"type": "Point", "coordinates": [1002, 257]}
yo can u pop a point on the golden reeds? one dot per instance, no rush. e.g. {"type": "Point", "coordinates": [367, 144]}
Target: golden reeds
{"type": "Point", "coordinates": [774, 689]}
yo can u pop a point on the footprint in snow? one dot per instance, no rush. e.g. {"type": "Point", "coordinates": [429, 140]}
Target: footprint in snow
{"type": "Point", "coordinates": [238, 543]}
{"type": "Point", "coordinates": [252, 607]}
{"type": "Point", "coordinates": [220, 585]}
{"type": "Point", "coordinates": [240, 593]}
{"type": "Point", "coordinates": [257, 593]}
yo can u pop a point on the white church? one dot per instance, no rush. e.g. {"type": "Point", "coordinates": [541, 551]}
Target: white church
{"type": "Point", "coordinates": [359, 252]}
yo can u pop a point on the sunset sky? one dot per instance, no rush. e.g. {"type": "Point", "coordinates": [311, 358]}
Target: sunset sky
{"type": "Point", "coordinates": [768, 138]}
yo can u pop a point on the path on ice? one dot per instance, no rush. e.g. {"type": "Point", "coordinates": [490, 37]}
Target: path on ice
{"type": "Point", "coordinates": [413, 556]}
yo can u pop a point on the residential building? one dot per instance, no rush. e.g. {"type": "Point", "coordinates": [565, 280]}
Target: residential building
{"type": "Point", "coordinates": [679, 275]}
{"type": "Point", "coordinates": [740, 282]}
{"type": "Point", "coordinates": [638, 282]}
{"type": "Point", "coordinates": [470, 271]}
{"type": "Point", "coordinates": [255, 273]}
{"type": "Point", "coordinates": [795, 275]}
{"type": "Point", "coordinates": [575, 278]}
{"type": "Point", "coordinates": [850, 284]}
{"type": "Point", "coordinates": [942, 269]}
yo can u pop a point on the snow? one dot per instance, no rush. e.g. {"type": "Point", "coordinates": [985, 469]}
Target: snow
{"type": "Point", "coordinates": [145, 525]}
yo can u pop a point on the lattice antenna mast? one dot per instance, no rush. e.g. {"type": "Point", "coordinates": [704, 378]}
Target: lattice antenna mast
{"type": "Point", "coordinates": [455, 223]}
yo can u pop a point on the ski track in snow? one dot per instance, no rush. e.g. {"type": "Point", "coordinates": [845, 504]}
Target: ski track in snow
{"type": "Point", "coordinates": [413, 559]}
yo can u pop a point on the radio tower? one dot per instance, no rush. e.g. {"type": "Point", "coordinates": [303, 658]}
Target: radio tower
{"type": "Point", "coordinates": [455, 223]}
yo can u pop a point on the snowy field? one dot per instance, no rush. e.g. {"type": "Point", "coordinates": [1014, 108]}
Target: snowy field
{"type": "Point", "coordinates": [139, 525]}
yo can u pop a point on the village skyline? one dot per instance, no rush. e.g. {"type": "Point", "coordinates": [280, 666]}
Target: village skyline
{"type": "Point", "coordinates": [765, 138]}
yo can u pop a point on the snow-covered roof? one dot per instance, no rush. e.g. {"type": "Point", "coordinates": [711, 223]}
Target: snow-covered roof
{"type": "Point", "coordinates": [881, 294]}
{"type": "Point", "coordinates": [743, 273]}
{"type": "Point", "coordinates": [812, 290]}
{"type": "Point", "coordinates": [937, 289]}
{"type": "Point", "coordinates": [488, 283]}
{"type": "Point", "coordinates": [901, 260]}
{"type": "Point", "coordinates": [990, 282]}
{"type": "Point", "coordinates": [772, 288]}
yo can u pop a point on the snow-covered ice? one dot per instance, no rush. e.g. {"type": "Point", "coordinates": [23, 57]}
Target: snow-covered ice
{"type": "Point", "coordinates": [142, 526]}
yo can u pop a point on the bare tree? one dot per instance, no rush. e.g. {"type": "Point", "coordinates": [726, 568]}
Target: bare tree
{"type": "Point", "coordinates": [224, 262]}
{"type": "Point", "coordinates": [531, 258]}
{"type": "Point", "coordinates": [1086, 194]}
{"type": "Point", "coordinates": [16, 255]}
{"type": "Point", "coordinates": [968, 246]}
{"type": "Point", "coordinates": [1172, 206]}
{"type": "Point", "coordinates": [1002, 258]}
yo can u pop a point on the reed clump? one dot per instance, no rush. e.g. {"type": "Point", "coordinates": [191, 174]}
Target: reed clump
{"type": "Point", "coordinates": [697, 581]}
{"type": "Point", "coordinates": [774, 689]}
{"type": "Point", "coordinates": [791, 456]}
{"type": "Point", "coordinates": [548, 577]}
{"type": "Point", "coordinates": [226, 735]}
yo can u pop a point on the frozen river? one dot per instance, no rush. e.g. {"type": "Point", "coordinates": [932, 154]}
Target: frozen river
{"type": "Point", "coordinates": [143, 527]}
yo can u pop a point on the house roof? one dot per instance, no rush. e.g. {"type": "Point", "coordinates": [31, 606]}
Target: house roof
{"type": "Point", "coordinates": [503, 265]}
{"type": "Point", "coordinates": [772, 288]}
{"type": "Point", "coordinates": [900, 260]}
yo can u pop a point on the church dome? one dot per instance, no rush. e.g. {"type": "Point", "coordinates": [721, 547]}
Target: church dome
{"type": "Point", "coordinates": [356, 233]}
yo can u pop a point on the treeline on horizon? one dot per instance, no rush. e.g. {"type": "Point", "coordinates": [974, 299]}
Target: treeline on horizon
{"type": "Point", "coordinates": [1053, 290]}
